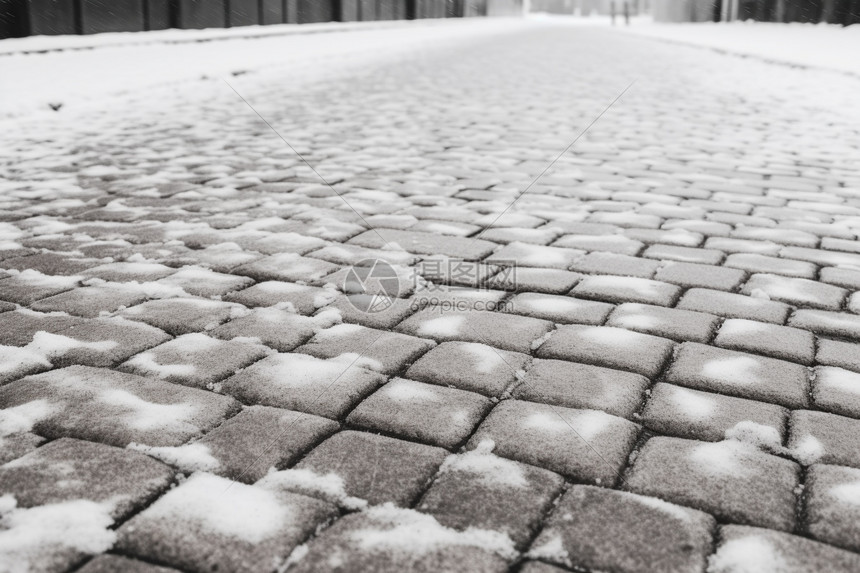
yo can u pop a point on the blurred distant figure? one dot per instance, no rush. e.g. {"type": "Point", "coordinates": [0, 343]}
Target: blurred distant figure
{"type": "Point", "coordinates": [626, 13]}
{"type": "Point", "coordinates": [612, 11]}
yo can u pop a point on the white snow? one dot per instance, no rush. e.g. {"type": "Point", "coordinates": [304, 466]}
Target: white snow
{"type": "Point", "coordinates": [406, 530]}
{"type": "Point", "coordinates": [31, 537]}
{"type": "Point", "coordinates": [488, 467]}
{"type": "Point", "coordinates": [838, 379]}
{"type": "Point", "coordinates": [587, 424]}
{"type": "Point", "coordinates": [694, 404]}
{"type": "Point", "coordinates": [848, 493]}
{"type": "Point", "coordinates": [22, 418]}
{"type": "Point", "coordinates": [213, 503]}
{"type": "Point", "coordinates": [749, 554]}
{"type": "Point", "coordinates": [485, 359]}
{"type": "Point", "coordinates": [442, 326]}
{"type": "Point", "coordinates": [807, 450]}
{"type": "Point", "coordinates": [408, 390]}
{"type": "Point", "coordinates": [552, 549]}
{"type": "Point", "coordinates": [740, 370]}
{"type": "Point", "coordinates": [754, 434]}
{"type": "Point", "coordinates": [143, 415]}
{"type": "Point", "coordinates": [826, 46]}
{"type": "Point", "coordinates": [329, 486]}
{"type": "Point", "coordinates": [728, 458]}
{"type": "Point", "coordinates": [188, 457]}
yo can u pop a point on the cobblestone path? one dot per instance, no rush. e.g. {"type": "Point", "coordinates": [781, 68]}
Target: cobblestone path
{"type": "Point", "coordinates": [649, 362]}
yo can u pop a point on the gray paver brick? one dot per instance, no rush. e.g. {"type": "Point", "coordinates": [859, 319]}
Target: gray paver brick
{"type": "Point", "coordinates": [536, 280]}
{"type": "Point", "coordinates": [304, 383]}
{"type": "Point", "coordinates": [109, 563]}
{"type": "Point", "coordinates": [375, 468]}
{"type": "Point", "coordinates": [184, 315]}
{"type": "Point", "coordinates": [506, 331]}
{"type": "Point", "coordinates": [799, 292]}
{"type": "Point", "coordinates": [574, 385]}
{"type": "Point", "coordinates": [739, 374]}
{"type": "Point", "coordinates": [831, 514]}
{"type": "Point", "coordinates": [826, 322]}
{"type": "Point", "coordinates": [627, 289]}
{"type": "Point", "coordinates": [615, 264]}
{"type": "Point", "coordinates": [276, 328]}
{"type": "Point", "coordinates": [680, 325]}
{"type": "Point", "coordinates": [303, 299]}
{"type": "Point", "coordinates": [836, 390]}
{"type": "Point", "coordinates": [68, 469]}
{"type": "Point", "coordinates": [734, 305]}
{"type": "Point", "coordinates": [188, 527]}
{"type": "Point", "coordinates": [479, 489]}
{"type": "Point", "coordinates": [559, 309]}
{"type": "Point", "coordinates": [423, 412]}
{"type": "Point", "coordinates": [426, 243]}
{"type": "Point", "coordinates": [843, 354]}
{"type": "Point", "coordinates": [769, 339]}
{"type": "Point", "coordinates": [610, 347]}
{"type": "Point", "coordinates": [606, 530]}
{"type": "Point", "coordinates": [731, 480]}
{"type": "Point", "coordinates": [701, 276]}
{"type": "Point", "coordinates": [585, 445]}
{"type": "Point", "coordinates": [469, 366]}
{"type": "Point", "coordinates": [525, 255]}
{"type": "Point", "coordinates": [114, 408]}
{"type": "Point", "coordinates": [686, 413]}
{"type": "Point", "coordinates": [825, 438]}
{"type": "Point", "coordinates": [744, 548]}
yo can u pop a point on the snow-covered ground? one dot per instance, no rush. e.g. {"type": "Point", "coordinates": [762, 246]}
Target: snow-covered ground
{"type": "Point", "coordinates": [127, 63]}
{"type": "Point", "coordinates": [813, 45]}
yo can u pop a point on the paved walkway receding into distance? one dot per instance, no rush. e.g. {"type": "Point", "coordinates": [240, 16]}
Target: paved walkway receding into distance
{"type": "Point", "coordinates": [647, 361]}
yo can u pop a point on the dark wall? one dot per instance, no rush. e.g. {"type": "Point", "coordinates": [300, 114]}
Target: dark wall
{"type": "Point", "coordinates": [157, 14]}
{"type": "Point", "coordinates": [99, 16]}
{"type": "Point", "coordinates": [242, 13]}
{"type": "Point", "coordinates": [50, 17]}
{"type": "Point", "coordinates": [201, 14]}
{"type": "Point", "coordinates": [272, 12]}
{"type": "Point", "coordinates": [310, 11]}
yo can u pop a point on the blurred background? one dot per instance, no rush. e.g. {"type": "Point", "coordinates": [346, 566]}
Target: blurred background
{"type": "Point", "coordinates": [20, 18]}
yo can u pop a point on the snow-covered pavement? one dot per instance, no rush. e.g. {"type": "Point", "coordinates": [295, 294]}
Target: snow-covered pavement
{"type": "Point", "coordinates": [638, 355]}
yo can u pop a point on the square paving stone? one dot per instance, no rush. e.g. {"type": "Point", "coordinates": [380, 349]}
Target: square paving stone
{"type": "Point", "coordinates": [469, 366]}
{"type": "Point", "coordinates": [525, 255]}
{"type": "Point", "coordinates": [360, 309]}
{"type": "Point", "coordinates": [819, 437]}
{"type": "Point", "coordinates": [523, 279]}
{"type": "Point", "coordinates": [703, 276]}
{"type": "Point", "coordinates": [744, 549]}
{"type": "Point", "coordinates": [426, 243]}
{"type": "Point", "coordinates": [276, 328]}
{"type": "Point", "coordinates": [18, 327]}
{"type": "Point", "coordinates": [585, 445]}
{"type": "Point", "coordinates": [129, 271]}
{"type": "Point", "coordinates": [286, 267]}
{"type": "Point", "coordinates": [495, 329]}
{"type": "Point", "coordinates": [799, 292]}
{"type": "Point", "coordinates": [832, 508]}
{"type": "Point", "coordinates": [574, 385]}
{"type": "Point", "coordinates": [614, 264]}
{"type": "Point", "coordinates": [304, 383]}
{"type": "Point", "coordinates": [388, 539]}
{"type": "Point", "coordinates": [303, 299]}
{"type": "Point", "coordinates": [68, 469]}
{"type": "Point", "coordinates": [114, 408]}
{"type": "Point", "coordinates": [481, 490]}
{"type": "Point", "coordinates": [843, 354]}
{"type": "Point", "coordinates": [183, 315]}
{"type": "Point", "coordinates": [260, 438]}
{"type": "Point", "coordinates": [202, 282]}
{"type": "Point", "coordinates": [687, 413]}
{"type": "Point", "coordinates": [604, 530]}
{"type": "Point", "coordinates": [610, 347]}
{"type": "Point", "coordinates": [840, 324]}
{"type": "Point", "coordinates": [210, 523]}
{"type": "Point", "coordinates": [731, 480]}
{"type": "Point", "coordinates": [739, 374]}
{"type": "Point", "coordinates": [619, 289]}
{"type": "Point", "coordinates": [375, 468]}
{"type": "Point", "coordinates": [560, 309]}
{"type": "Point", "coordinates": [29, 286]}
{"type": "Point", "coordinates": [769, 339]}
{"type": "Point", "coordinates": [195, 360]}
{"type": "Point", "coordinates": [346, 342]}
{"type": "Point", "coordinates": [734, 305]}
{"type": "Point", "coordinates": [91, 301]}
{"type": "Point", "coordinates": [680, 325]}
{"type": "Point", "coordinates": [423, 412]}
{"type": "Point", "coordinates": [104, 342]}
{"type": "Point", "coordinates": [610, 243]}
{"type": "Point", "coordinates": [836, 390]}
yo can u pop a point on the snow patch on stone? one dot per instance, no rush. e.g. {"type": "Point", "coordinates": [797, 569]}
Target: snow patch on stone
{"type": "Point", "coordinates": [488, 467]}
{"type": "Point", "coordinates": [188, 458]}
{"type": "Point", "coordinates": [328, 486]}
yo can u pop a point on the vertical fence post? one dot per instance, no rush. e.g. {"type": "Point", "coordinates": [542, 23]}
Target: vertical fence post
{"type": "Point", "coordinates": [410, 9]}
